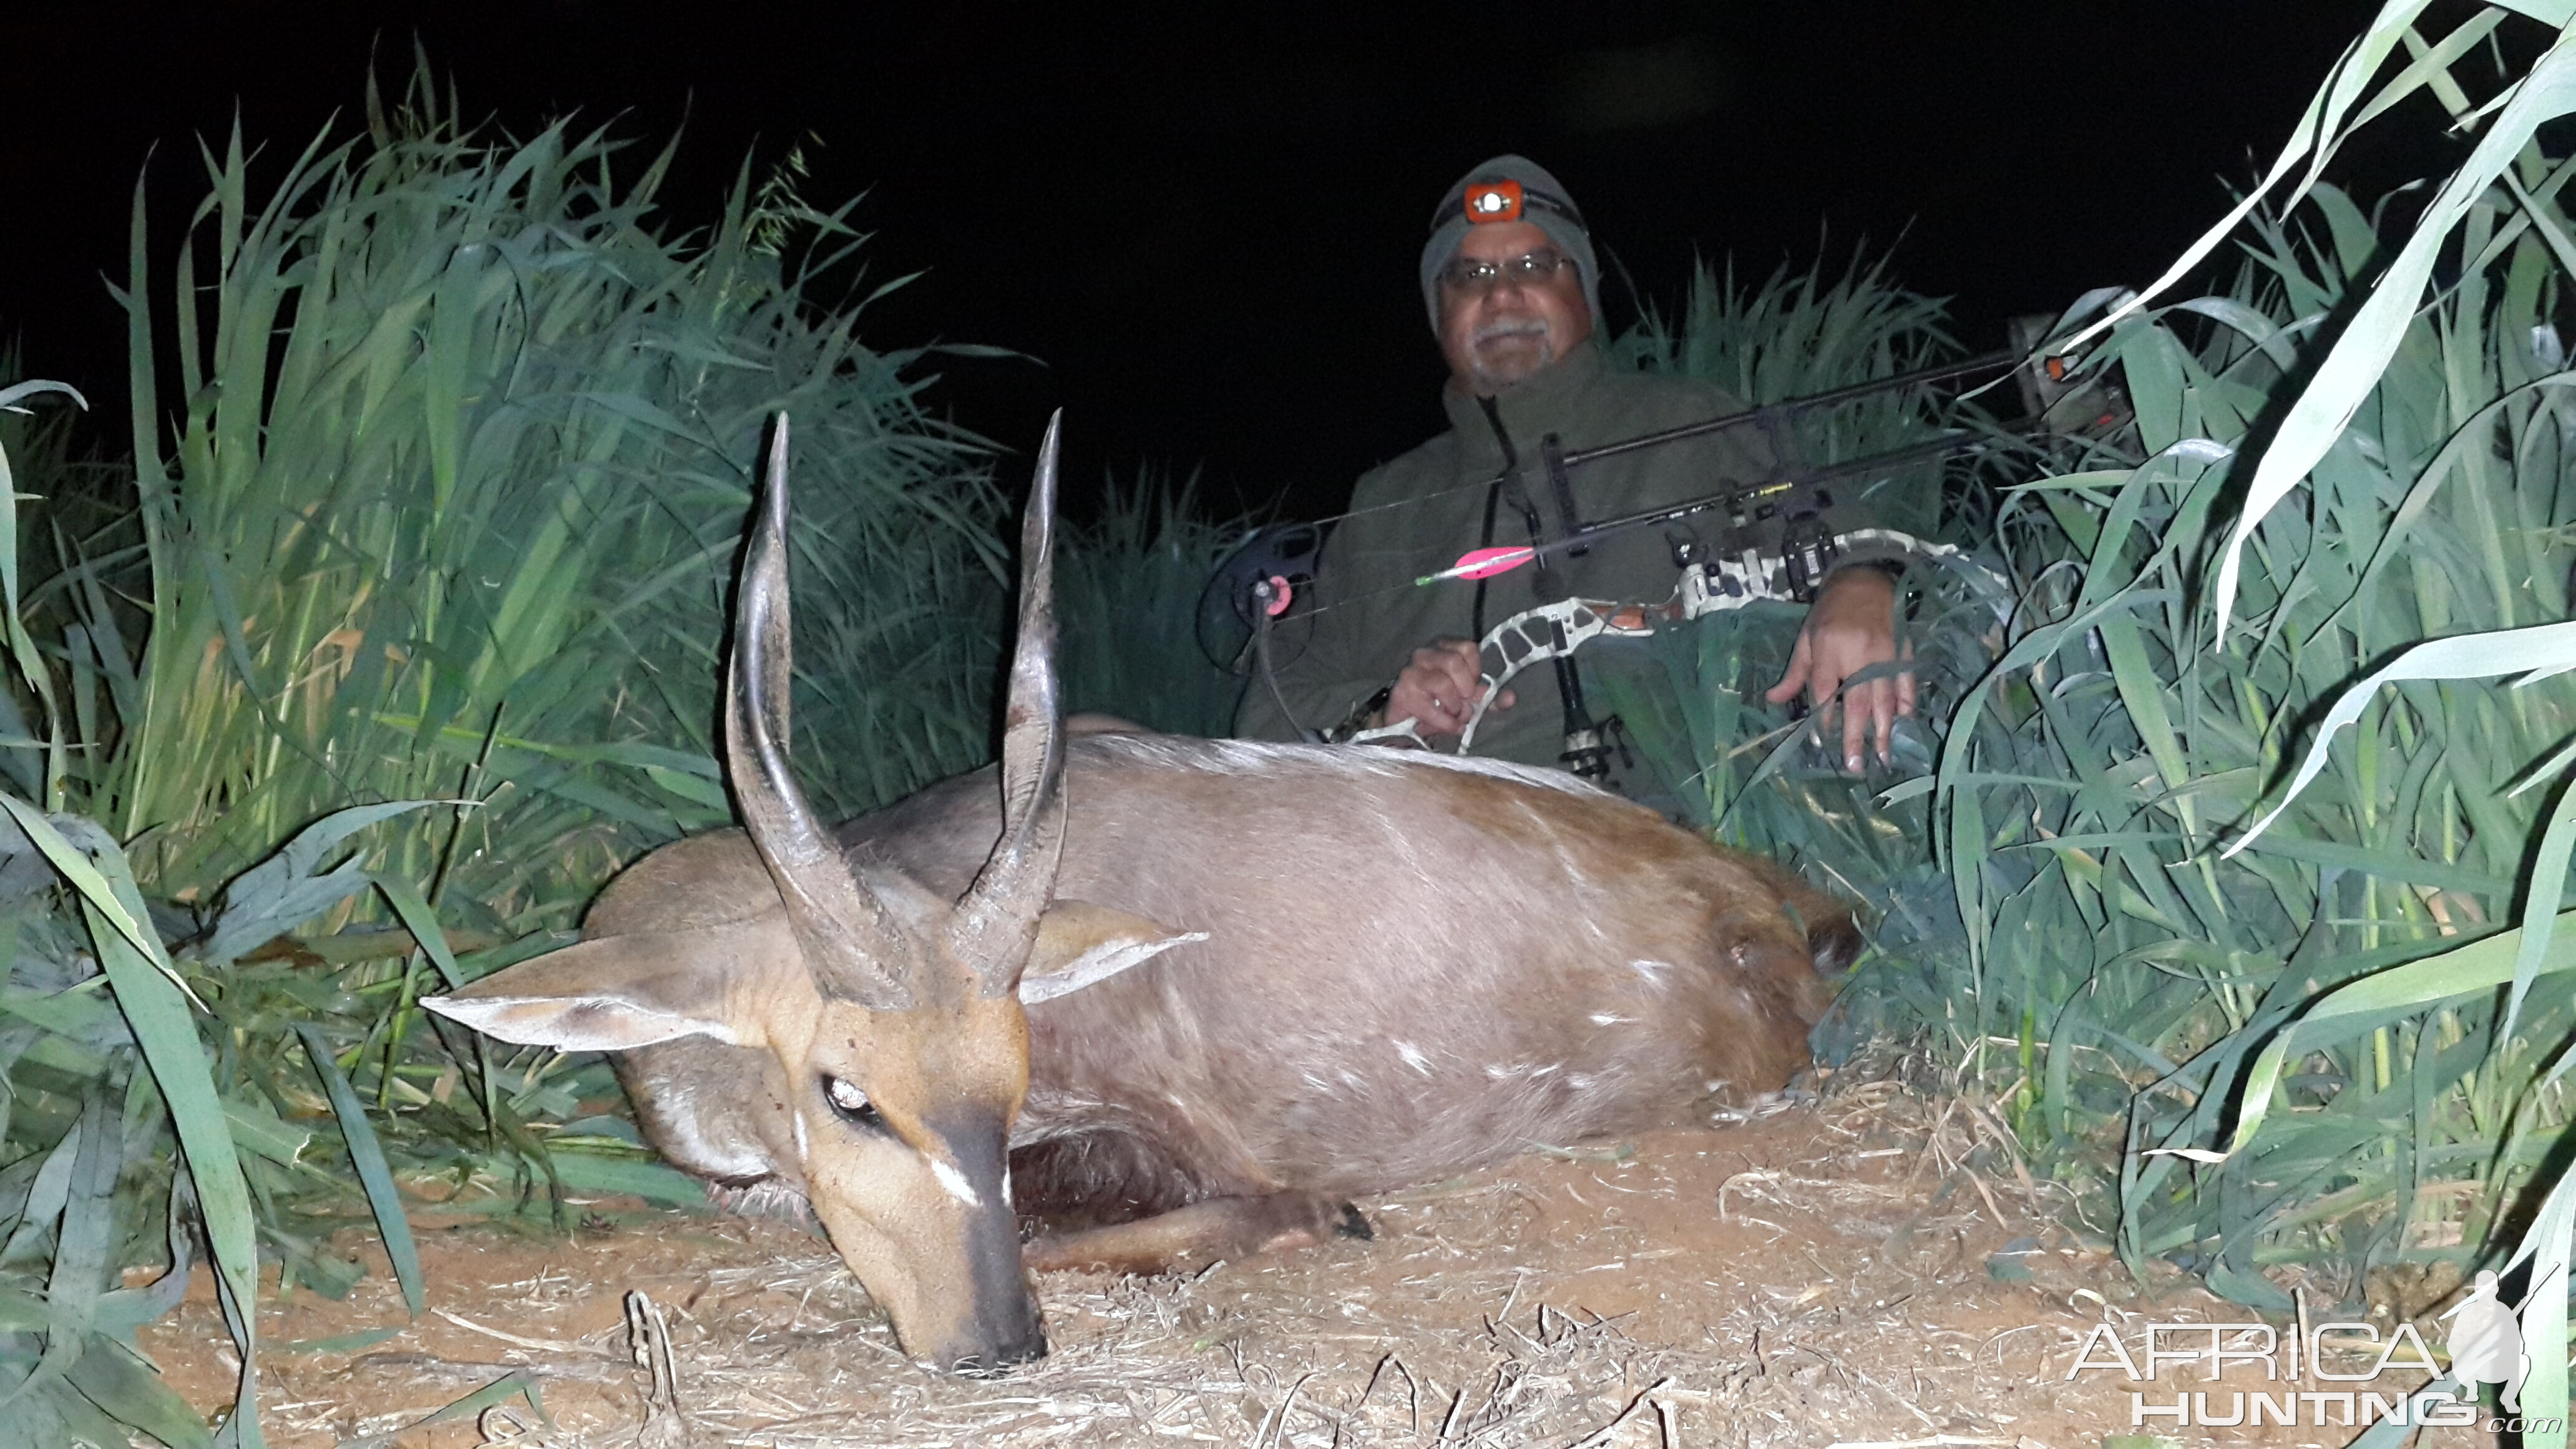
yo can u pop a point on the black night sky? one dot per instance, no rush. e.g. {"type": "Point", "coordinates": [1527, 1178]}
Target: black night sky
{"type": "Point", "coordinates": [1203, 219]}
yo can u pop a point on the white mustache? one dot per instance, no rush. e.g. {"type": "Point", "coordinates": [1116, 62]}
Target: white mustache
{"type": "Point", "coordinates": [1508, 327]}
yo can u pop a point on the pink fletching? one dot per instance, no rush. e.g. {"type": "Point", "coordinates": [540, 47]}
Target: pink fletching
{"type": "Point", "coordinates": [1484, 563]}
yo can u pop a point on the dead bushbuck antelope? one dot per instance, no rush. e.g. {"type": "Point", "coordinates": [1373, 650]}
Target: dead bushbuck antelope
{"type": "Point", "coordinates": [1191, 995]}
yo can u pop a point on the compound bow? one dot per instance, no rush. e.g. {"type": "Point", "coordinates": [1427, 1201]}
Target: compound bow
{"type": "Point", "coordinates": [1555, 630]}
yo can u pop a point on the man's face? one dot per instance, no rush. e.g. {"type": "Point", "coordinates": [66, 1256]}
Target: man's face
{"type": "Point", "coordinates": [1495, 335]}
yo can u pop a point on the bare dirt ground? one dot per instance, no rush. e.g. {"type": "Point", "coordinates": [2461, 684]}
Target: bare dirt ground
{"type": "Point", "coordinates": [1855, 1272]}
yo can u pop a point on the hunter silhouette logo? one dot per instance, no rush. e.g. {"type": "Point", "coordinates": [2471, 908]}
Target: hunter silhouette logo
{"type": "Point", "coordinates": [2486, 1344]}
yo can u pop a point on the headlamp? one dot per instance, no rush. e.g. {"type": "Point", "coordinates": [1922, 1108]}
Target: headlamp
{"type": "Point", "coordinates": [1492, 201]}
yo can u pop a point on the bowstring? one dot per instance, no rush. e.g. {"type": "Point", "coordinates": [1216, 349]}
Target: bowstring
{"type": "Point", "coordinates": [1764, 417]}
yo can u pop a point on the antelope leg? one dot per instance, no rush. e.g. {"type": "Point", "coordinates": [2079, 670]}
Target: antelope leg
{"type": "Point", "coordinates": [1201, 1233]}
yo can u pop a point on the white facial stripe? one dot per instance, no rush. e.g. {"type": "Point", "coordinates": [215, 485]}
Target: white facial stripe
{"type": "Point", "coordinates": [803, 1152]}
{"type": "Point", "coordinates": [956, 1184]}
{"type": "Point", "coordinates": [847, 1096]}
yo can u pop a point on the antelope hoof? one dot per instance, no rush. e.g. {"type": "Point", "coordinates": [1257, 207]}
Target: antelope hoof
{"type": "Point", "coordinates": [1308, 1220]}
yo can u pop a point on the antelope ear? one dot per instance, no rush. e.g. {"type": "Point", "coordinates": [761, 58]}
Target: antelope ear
{"type": "Point", "coordinates": [617, 993]}
{"type": "Point", "coordinates": [1080, 944]}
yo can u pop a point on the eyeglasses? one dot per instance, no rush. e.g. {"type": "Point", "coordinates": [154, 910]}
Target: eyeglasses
{"type": "Point", "coordinates": [1476, 274]}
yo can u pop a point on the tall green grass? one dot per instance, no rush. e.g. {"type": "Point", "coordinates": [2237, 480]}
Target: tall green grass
{"type": "Point", "coordinates": [1743, 768]}
{"type": "Point", "coordinates": [2430, 436]}
{"type": "Point", "coordinates": [2091, 790]}
{"type": "Point", "coordinates": [2287, 1058]}
{"type": "Point", "coordinates": [450, 511]}
{"type": "Point", "coordinates": [1797, 333]}
{"type": "Point", "coordinates": [1127, 596]}
{"type": "Point", "coordinates": [2280, 938]}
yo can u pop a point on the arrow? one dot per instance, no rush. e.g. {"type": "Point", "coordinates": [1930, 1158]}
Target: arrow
{"type": "Point", "coordinates": [1482, 563]}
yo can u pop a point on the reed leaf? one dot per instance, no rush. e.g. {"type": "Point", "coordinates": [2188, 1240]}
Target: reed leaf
{"type": "Point", "coordinates": [2325, 406]}
{"type": "Point", "coordinates": [375, 1175]}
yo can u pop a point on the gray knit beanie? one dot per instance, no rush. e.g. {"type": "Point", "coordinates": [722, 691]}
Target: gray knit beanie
{"type": "Point", "coordinates": [1543, 202]}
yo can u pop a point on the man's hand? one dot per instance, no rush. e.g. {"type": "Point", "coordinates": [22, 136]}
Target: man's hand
{"type": "Point", "coordinates": [1851, 626]}
{"type": "Point", "coordinates": [1440, 688]}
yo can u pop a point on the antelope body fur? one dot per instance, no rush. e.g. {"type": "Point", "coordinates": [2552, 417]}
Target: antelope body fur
{"type": "Point", "coordinates": [1256, 980]}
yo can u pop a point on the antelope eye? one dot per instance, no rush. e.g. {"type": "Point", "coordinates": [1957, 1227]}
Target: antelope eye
{"type": "Point", "coordinates": [849, 1103]}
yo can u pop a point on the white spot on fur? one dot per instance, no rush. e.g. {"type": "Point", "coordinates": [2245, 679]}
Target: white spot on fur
{"type": "Point", "coordinates": [955, 1182]}
{"type": "Point", "coordinates": [1604, 1018]}
{"type": "Point", "coordinates": [1581, 1081]}
{"type": "Point", "coordinates": [802, 1151]}
{"type": "Point", "coordinates": [1502, 1073]}
{"type": "Point", "coordinates": [1543, 1071]}
{"type": "Point", "coordinates": [1653, 971]}
{"type": "Point", "coordinates": [1413, 1057]}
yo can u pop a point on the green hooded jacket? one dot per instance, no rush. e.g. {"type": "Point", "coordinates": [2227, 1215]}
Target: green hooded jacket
{"type": "Point", "coordinates": [1419, 512]}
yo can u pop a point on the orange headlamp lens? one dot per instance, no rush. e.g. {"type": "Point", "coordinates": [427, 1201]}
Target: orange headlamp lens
{"type": "Point", "coordinates": [1494, 201]}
